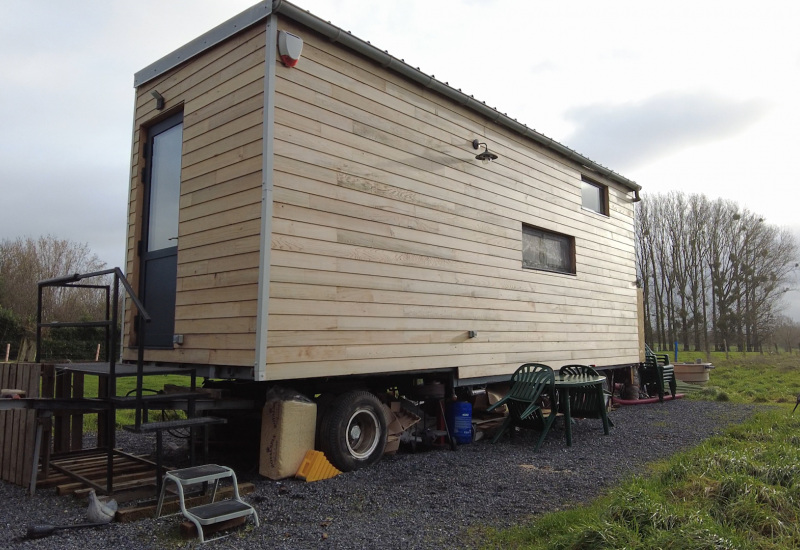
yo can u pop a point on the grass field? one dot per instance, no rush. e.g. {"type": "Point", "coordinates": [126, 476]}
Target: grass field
{"type": "Point", "coordinates": [750, 378]}
{"type": "Point", "coordinates": [740, 490]}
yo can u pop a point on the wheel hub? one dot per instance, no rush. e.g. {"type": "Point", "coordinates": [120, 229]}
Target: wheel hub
{"type": "Point", "coordinates": [363, 432]}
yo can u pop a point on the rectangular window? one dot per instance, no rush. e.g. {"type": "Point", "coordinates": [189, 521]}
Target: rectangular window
{"type": "Point", "coordinates": [594, 196]}
{"type": "Point", "coordinates": [547, 251]}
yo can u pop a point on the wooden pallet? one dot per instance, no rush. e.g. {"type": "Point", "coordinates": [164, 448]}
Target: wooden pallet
{"type": "Point", "coordinates": [77, 473]}
{"type": "Point", "coordinates": [63, 429]}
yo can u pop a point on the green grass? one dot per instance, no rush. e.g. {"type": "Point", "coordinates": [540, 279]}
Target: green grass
{"type": "Point", "coordinates": [750, 378]}
{"type": "Point", "coordinates": [740, 490]}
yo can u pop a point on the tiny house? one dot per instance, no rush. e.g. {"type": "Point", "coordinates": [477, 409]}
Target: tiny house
{"type": "Point", "coordinates": [307, 209]}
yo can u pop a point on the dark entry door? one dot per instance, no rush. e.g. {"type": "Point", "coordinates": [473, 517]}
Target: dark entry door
{"type": "Point", "coordinates": [159, 257]}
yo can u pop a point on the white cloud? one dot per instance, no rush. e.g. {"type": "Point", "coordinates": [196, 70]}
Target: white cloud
{"type": "Point", "coordinates": [627, 135]}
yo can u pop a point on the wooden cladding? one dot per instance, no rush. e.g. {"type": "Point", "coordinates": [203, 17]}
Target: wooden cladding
{"type": "Point", "coordinates": [222, 96]}
{"type": "Point", "coordinates": [389, 241]}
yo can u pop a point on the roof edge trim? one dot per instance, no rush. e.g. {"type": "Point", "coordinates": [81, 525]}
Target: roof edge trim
{"type": "Point", "coordinates": [204, 42]}
{"type": "Point", "coordinates": [263, 9]}
{"type": "Point", "coordinates": [335, 34]}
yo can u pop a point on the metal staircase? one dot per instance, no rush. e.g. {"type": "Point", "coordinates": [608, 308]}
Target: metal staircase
{"type": "Point", "coordinates": [111, 370]}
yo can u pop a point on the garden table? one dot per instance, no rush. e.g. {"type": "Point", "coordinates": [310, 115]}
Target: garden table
{"type": "Point", "coordinates": [566, 385]}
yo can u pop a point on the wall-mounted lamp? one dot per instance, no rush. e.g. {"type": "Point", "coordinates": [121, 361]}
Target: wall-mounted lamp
{"type": "Point", "coordinates": [486, 157]}
{"type": "Point", "coordinates": [159, 99]}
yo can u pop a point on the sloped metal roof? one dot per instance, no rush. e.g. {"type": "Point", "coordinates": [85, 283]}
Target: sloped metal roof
{"type": "Point", "coordinates": [262, 10]}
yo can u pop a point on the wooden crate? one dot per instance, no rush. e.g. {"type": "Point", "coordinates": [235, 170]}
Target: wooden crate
{"type": "Point", "coordinates": [18, 427]}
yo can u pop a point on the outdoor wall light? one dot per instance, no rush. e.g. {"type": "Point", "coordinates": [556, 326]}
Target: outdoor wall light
{"type": "Point", "coordinates": [159, 99]}
{"type": "Point", "coordinates": [486, 157]}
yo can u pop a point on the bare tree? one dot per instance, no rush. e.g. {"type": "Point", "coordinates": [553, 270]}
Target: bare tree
{"type": "Point", "coordinates": [679, 246]}
{"type": "Point", "coordinates": [695, 249]}
{"type": "Point", "coordinates": [694, 254]}
{"type": "Point", "coordinates": [645, 276]}
{"type": "Point", "coordinates": [786, 333]}
{"type": "Point", "coordinates": [655, 258]}
{"type": "Point", "coordinates": [722, 261]}
{"type": "Point", "coordinates": [25, 261]}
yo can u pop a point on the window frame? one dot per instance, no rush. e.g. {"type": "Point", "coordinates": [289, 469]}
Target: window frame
{"type": "Point", "coordinates": [603, 195]}
{"type": "Point", "coordinates": [571, 269]}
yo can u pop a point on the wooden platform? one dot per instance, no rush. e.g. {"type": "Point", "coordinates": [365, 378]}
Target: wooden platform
{"type": "Point", "coordinates": [76, 473]}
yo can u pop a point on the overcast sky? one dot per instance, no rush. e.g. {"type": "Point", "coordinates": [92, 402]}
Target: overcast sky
{"type": "Point", "coordinates": [701, 97]}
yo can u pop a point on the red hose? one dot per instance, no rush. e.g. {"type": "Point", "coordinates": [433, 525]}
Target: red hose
{"type": "Point", "coordinates": [617, 401]}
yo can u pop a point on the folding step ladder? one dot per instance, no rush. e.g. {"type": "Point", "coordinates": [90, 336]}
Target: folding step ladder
{"type": "Point", "coordinates": [214, 512]}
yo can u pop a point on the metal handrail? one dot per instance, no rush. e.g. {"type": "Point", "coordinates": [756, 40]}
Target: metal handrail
{"type": "Point", "coordinates": [111, 342]}
{"type": "Point", "coordinates": [66, 281]}
{"type": "Point", "coordinates": [119, 276]}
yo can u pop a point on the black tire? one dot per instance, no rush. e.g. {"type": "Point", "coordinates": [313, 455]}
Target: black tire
{"type": "Point", "coordinates": [324, 402]}
{"type": "Point", "coordinates": [353, 431]}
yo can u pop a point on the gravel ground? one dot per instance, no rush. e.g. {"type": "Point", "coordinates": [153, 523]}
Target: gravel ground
{"type": "Point", "coordinates": [430, 499]}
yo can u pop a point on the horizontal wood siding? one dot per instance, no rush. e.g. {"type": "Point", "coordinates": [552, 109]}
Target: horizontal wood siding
{"type": "Point", "coordinates": [390, 241]}
{"type": "Point", "coordinates": [221, 94]}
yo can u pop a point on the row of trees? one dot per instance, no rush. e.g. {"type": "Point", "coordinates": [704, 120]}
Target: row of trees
{"type": "Point", "coordinates": [712, 273]}
{"type": "Point", "coordinates": [787, 334]}
{"type": "Point", "coordinates": [24, 262]}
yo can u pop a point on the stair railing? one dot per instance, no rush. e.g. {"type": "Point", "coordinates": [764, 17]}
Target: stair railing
{"type": "Point", "coordinates": [110, 325]}
{"type": "Point", "coordinates": [111, 320]}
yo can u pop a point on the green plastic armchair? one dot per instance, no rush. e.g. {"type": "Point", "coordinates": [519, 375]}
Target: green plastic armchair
{"type": "Point", "coordinates": [528, 384]}
{"type": "Point", "coordinates": [657, 371]}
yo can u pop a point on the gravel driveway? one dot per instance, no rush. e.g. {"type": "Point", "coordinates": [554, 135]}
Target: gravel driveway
{"type": "Point", "coordinates": [431, 499]}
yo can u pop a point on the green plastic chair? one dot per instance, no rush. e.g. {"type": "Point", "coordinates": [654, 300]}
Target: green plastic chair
{"type": "Point", "coordinates": [528, 384]}
{"type": "Point", "coordinates": [586, 403]}
{"type": "Point", "coordinates": [656, 370]}
{"type": "Point", "coordinates": [578, 370]}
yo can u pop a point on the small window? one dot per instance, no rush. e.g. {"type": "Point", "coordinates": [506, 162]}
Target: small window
{"type": "Point", "coordinates": [594, 196]}
{"type": "Point", "coordinates": [547, 251]}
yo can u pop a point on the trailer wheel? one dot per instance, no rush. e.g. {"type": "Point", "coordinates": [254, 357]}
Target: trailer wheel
{"type": "Point", "coordinates": [353, 431]}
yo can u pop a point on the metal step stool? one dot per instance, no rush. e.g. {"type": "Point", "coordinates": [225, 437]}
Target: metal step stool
{"type": "Point", "coordinates": [214, 512]}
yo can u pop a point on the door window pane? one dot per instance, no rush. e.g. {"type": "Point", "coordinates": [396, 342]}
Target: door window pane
{"type": "Point", "coordinates": [165, 188]}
